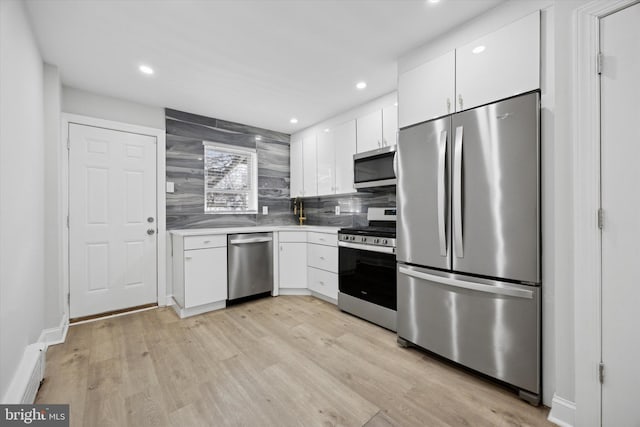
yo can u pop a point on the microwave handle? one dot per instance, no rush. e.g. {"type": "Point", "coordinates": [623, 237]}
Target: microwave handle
{"type": "Point", "coordinates": [395, 164]}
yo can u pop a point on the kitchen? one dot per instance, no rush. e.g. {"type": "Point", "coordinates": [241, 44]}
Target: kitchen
{"type": "Point", "coordinates": [311, 168]}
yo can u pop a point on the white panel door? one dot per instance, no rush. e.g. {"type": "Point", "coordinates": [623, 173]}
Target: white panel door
{"type": "Point", "coordinates": [297, 177]}
{"type": "Point", "coordinates": [427, 91]}
{"type": "Point", "coordinates": [369, 134]}
{"type": "Point", "coordinates": [310, 166]}
{"type": "Point", "coordinates": [620, 91]}
{"type": "Point", "coordinates": [326, 163]}
{"type": "Point", "coordinates": [344, 137]}
{"type": "Point", "coordinates": [112, 205]}
{"type": "Point", "coordinates": [499, 65]}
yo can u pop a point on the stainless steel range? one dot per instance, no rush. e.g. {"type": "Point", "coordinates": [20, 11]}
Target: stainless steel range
{"type": "Point", "coordinates": [367, 268]}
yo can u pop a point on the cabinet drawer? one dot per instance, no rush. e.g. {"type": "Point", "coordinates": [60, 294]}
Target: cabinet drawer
{"type": "Point", "coordinates": [293, 236]}
{"type": "Point", "coordinates": [323, 239]}
{"type": "Point", "coordinates": [323, 257]}
{"type": "Point", "coordinates": [323, 282]}
{"type": "Point", "coordinates": [203, 242]}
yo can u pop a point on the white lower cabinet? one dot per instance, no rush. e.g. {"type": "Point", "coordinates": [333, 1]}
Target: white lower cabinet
{"type": "Point", "coordinates": [323, 282]}
{"type": "Point", "coordinates": [199, 273]}
{"type": "Point", "coordinates": [322, 262]}
{"type": "Point", "coordinates": [292, 261]}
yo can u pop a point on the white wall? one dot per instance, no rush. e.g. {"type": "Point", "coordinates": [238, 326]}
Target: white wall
{"type": "Point", "coordinates": [91, 104]}
{"type": "Point", "coordinates": [22, 209]}
{"type": "Point", "coordinates": [53, 296]}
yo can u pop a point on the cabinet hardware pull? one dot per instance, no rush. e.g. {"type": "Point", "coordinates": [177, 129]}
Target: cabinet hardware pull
{"type": "Point", "coordinates": [187, 258]}
{"type": "Point", "coordinates": [460, 100]}
{"type": "Point", "coordinates": [207, 241]}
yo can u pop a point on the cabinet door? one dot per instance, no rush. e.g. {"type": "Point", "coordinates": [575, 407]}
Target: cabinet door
{"type": "Point", "coordinates": [309, 159]}
{"type": "Point", "coordinates": [205, 276]}
{"type": "Point", "coordinates": [326, 163]}
{"type": "Point", "coordinates": [499, 65]}
{"type": "Point", "coordinates": [293, 265]}
{"type": "Point", "coordinates": [344, 139]}
{"type": "Point", "coordinates": [427, 91]}
{"type": "Point", "coordinates": [390, 125]}
{"type": "Point", "coordinates": [297, 183]}
{"type": "Point", "coordinates": [369, 135]}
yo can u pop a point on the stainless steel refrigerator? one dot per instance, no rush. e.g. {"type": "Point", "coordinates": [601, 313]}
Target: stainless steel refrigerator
{"type": "Point", "coordinates": [468, 240]}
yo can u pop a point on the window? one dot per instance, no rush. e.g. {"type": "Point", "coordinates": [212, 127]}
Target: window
{"type": "Point", "coordinates": [230, 179]}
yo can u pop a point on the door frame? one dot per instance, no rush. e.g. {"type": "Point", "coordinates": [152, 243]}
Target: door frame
{"type": "Point", "coordinates": [586, 142]}
{"type": "Point", "coordinates": [161, 242]}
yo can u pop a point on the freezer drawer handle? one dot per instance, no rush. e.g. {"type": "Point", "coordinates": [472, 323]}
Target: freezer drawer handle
{"type": "Point", "coordinates": [457, 194]}
{"type": "Point", "coordinates": [512, 292]}
{"type": "Point", "coordinates": [442, 226]}
{"type": "Point", "coordinates": [254, 240]}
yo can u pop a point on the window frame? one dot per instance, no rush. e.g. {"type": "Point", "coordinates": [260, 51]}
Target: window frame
{"type": "Point", "coordinates": [252, 207]}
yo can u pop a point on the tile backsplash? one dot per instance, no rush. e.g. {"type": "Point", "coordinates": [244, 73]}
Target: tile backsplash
{"type": "Point", "coordinates": [185, 168]}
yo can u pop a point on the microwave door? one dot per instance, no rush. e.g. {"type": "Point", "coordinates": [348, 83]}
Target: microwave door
{"type": "Point", "coordinates": [374, 168]}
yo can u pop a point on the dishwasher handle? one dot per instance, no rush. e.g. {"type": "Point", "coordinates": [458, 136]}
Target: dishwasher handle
{"type": "Point", "coordinates": [252, 240]}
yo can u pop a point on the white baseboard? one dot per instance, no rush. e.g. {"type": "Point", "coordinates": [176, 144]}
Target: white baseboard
{"type": "Point", "coordinates": [294, 291]}
{"type": "Point", "coordinates": [26, 379]}
{"type": "Point", "coordinates": [57, 335]}
{"type": "Point", "coordinates": [194, 311]}
{"type": "Point", "coordinates": [563, 412]}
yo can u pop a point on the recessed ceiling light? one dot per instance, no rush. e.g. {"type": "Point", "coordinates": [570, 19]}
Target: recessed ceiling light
{"type": "Point", "coordinates": [395, 104]}
{"type": "Point", "coordinates": [327, 130]}
{"type": "Point", "coordinates": [293, 120]}
{"type": "Point", "coordinates": [434, 1]}
{"type": "Point", "coordinates": [478, 49]}
{"type": "Point", "coordinates": [145, 69]}
{"type": "Point", "coordinates": [361, 85]}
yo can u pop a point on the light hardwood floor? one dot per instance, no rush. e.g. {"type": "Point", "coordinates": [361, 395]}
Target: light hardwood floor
{"type": "Point", "coordinates": [285, 361]}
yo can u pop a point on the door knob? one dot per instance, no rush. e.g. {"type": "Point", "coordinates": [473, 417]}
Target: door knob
{"type": "Point", "coordinates": [151, 232]}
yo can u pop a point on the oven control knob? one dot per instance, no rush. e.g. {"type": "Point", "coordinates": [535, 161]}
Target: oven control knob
{"type": "Point", "coordinates": [385, 241]}
{"type": "Point", "coordinates": [376, 241]}
{"type": "Point", "coordinates": [353, 237]}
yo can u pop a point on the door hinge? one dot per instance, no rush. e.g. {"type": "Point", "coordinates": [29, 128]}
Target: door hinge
{"type": "Point", "coordinates": [69, 298]}
{"type": "Point", "coordinates": [601, 372]}
{"type": "Point", "coordinates": [68, 144]}
{"type": "Point", "coordinates": [600, 218]}
{"type": "Point", "coordinates": [599, 59]}
{"type": "Point", "coordinates": [67, 221]}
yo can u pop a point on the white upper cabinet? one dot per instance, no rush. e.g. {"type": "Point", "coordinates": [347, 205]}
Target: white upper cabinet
{"type": "Point", "coordinates": [390, 125]}
{"type": "Point", "coordinates": [499, 65]}
{"type": "Point", "coordinates": [427, 91]}
{"type": "Point", "coordinates": [326, 163]}
{"type": "Point", "coordinates": [344, 139]}
{"type": "Point", "coordinates": [369, 135]}
{"type": "Point", "coordinates": [296, 182]}
{"type": "Point", "coordinates": [309, 162]}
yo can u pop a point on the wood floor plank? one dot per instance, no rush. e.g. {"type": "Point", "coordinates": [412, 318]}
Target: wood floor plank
{"type": "Point", "coordinates": [285, 361]}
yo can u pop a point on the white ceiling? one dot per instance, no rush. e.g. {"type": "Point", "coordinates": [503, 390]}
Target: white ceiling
{"type": "Point", "coordinates": [258, 62]}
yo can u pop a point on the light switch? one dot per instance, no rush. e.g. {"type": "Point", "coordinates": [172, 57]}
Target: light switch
{"type": "Point", "coordinates": [337, 209]}
{"type": "Point", "coordinates": [170, 187]}
{"type": "Point", "coordinates": [265, 210]}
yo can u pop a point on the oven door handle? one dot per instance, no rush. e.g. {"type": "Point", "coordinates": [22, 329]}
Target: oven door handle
{"type": "Point", "coordinates": [381, 249]}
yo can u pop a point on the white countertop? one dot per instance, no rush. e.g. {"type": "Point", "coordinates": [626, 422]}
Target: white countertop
{"type": "Point", "coordinates": [257, 229]}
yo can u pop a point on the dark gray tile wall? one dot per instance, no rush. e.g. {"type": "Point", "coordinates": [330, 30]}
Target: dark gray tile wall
{"type": "Point", "coordinates": [185, 133]}
{"type": "Point", "coordinates": [185, 207]}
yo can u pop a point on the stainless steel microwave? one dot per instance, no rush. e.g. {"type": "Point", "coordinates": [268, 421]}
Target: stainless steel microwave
{"type": "Point", "coordinates": [376, 168]}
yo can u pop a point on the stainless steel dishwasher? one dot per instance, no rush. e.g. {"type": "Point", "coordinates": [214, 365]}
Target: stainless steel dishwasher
{"type": "Point", "coordinates": [250, 263]}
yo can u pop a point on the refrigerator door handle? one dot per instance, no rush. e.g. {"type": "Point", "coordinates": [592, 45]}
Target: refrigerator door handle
{"type": "Point", "coordinates": [457, 194]}
{"type": "Point", "coordinates": [442, 226]}
{"type": "Point", "coordinates": [496, 290]}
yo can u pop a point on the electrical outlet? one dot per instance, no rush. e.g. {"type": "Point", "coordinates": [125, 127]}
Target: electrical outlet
{"type": "Point", "coordinates": [265, 210]}
{"type": "Point", "coordinates": [170, 187]}
{"type": "Point", "coordinates": [337, 209]}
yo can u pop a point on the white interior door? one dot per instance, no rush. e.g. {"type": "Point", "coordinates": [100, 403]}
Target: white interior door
{"type": "Point", "coordinates": [112, 216]}
{"type": "Point", "coordinates": [620, 175]}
